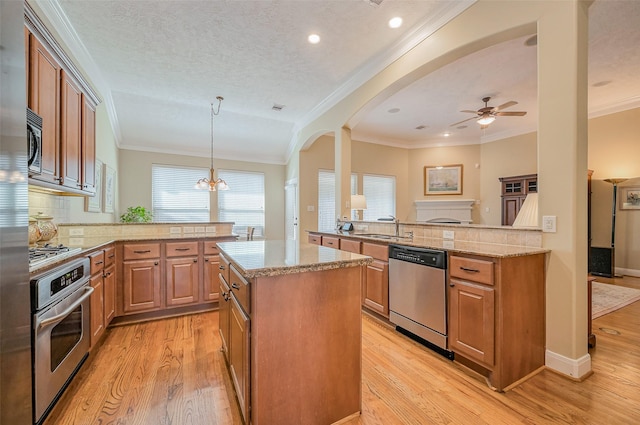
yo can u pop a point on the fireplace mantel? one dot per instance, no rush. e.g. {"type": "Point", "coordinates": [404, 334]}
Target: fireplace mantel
{"type": "Point", "coordinates": [444, 211]}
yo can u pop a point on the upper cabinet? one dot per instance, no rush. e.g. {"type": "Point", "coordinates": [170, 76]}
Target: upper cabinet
{"type": "Point", "coordinates": [66, 102]}
{"type": "Point", "coordinates": [513, 193]}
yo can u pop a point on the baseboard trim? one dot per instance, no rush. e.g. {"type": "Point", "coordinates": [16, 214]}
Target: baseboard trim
{"type": "Point", "coordinates": [627, 272]}
{"type": "Point", "coordinates": [574, 368]}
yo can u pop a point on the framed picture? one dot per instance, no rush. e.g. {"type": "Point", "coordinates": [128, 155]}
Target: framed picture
{"type": "Point", "coordinates": [109, 193]}
{"type": "Point", "coordinates": [629, 198]}
{"type": "Point", "coordinates": [443, 180]}
{"type": "Point", "coordinates": [94, 203]}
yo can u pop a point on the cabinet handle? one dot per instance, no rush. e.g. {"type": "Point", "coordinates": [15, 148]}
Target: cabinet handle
{"type": "Point", "coordinates": [469, 270]}
{"type": "Point", "coordinates": [98, 262]}
{"type": "Point", "coordinates": [206, 260]}
{"type": "Point", "coordinates": [183, 249]}
{"type": "Point", "coordinates": [146, 251]}
{"type": "Point", "coordinates": [155, 263]}
{"type": "Point", "coordinates": [112, 255]}
{"type": "Point", "coordinates": [106, 274]}
{"type": "Point", "coordinates": [235, 286]}
{"type": "Point", "coordinates": [451, 284]}
{"type": "Point", "coordinates": [195, 260]}
{"type": "Point", "coordinates": [221, 267]}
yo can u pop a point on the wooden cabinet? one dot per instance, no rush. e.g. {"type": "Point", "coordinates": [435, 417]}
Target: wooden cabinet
{"type": "Point", "coordinates": [225, 305]}
{"type": "Point", "coordinates": [497, 315]}
{"type": "Point", "coordinates": [239, 354]}
{"type": "Point", "coordinates": [375, 285]}
{"type": "Point", "coordinates": [514, 190]}
{"type": "Point", "coordinates": [182, 273]}
{"type": "Point", "coordinates": [109, 294]}
{"type": "Point", "coordinates": [70, 133]}
{"type": "Point", "coordinates": [141, 277]}
{"type": "Point", "coordinates": [350, 245]}
{"type": "Point", "coordinates": [44, 99]}
{"type": "Point", "coordinates": [97, 297]}
{"type": "Point", "coordinates": [331, 242]}
{"type": "Point", "coordinates": [65, 101]}
{"type": "Point", "coordinates": [315, 239]}
{"type": "Point", "coordinates": [211, 268]}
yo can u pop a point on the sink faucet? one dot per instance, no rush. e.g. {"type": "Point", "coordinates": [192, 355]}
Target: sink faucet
{"type": "Point", "coordinates": [397, 223]}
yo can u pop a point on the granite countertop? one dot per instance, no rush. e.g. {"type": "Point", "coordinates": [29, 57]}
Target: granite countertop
{"type": "Point", "coordinates": [462, 247]}
{"type": "Point", "coordinates": [278, 257]}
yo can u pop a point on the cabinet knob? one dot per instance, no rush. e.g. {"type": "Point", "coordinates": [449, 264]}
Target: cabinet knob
{"type": "Point", "coordinates": [195, 260]}
{"type": "Point", "coordinates": [206, 260]}
{"type": "Point", "coordinates": [451, 284]}
{"type": "Point", "coordinates": [155, 263]}
{"type": "Point", "coordinates": [221, 267]}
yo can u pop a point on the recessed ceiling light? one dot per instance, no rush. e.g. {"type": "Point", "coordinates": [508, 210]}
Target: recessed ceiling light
{"type": "Point", "coordinates": [395, 22]}
{"type": "Point", "coordinates": [314, 39]}
{"type": "Point", "coordinates": [447, 134]}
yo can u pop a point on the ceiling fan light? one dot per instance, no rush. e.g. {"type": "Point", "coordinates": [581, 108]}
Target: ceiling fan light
{"type": "Point", "coordinates": [486, 120]}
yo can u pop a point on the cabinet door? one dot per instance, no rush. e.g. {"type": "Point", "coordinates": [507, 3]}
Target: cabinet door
{"type": "Point", "coordinates": [510, 207]}
{"type": "Point", "coordinates": [44, 100]}
{"type": "Point", "coordinates": [88, 146]}
{"type": "Point", "coordinates": [181, 280]}
{"type": "Point", "coordinates": [70, 133]}
{"type": "Point", "coordinates": [223, 315]}
{"type": "Point", "coordinates": [109, 281]}
{"type": "Point", "coordinates": [239, 355]}
{"type": "Point", "coordinates": [376, 287]}
{"type": "Point", "coordinates": [471, 321]}
{"type": "Point", "coordinates": [97, 308]}
{"type": "Point", "coordinates": [141, 286]}
{"type": "Point", "coordinates": [210, 278]}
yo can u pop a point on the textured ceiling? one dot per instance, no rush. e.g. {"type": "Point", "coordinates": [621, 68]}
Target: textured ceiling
{"type": "Point", "coordinates": [160, 63]}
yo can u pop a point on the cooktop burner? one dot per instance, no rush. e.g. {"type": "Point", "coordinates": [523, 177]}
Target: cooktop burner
{"type": "Point", "coordinates": [42, 255]}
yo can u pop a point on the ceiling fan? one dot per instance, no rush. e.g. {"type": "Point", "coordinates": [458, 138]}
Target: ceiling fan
{"type": "Point", "coordinates": [487, 114]}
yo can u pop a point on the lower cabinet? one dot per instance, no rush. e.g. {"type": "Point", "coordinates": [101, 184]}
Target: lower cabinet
{"type": "Point", "coordinates": [109, 282]}
{"type": "Point", "coordinates": [97, 309]}
{"type": "Point", "coordinates": [375, 285]}
{"type": "Point", "coordinates": [239, 354]}
{"type": "Point", "coordinates": [223, 315]}
{"type": "Point", "coordinates": [141, 285]}
{"type": "Point", "coordinates": [181, 280]}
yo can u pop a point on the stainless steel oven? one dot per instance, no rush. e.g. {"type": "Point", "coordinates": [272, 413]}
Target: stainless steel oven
{"type": "Point", "coordinates": [61, 330]}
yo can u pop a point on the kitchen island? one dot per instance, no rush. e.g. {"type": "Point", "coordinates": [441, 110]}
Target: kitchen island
{"type": "Point", "coordinates": [291, 330]}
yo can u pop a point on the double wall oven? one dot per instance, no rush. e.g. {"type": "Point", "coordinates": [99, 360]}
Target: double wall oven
{"type": "Point", "coordinates": [61, 330]}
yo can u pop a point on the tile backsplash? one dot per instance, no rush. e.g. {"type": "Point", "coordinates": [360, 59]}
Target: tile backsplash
{"type": "Point", "coordinates": [57, 207]}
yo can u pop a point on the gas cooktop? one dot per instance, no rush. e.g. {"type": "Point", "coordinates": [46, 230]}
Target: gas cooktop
{"type": "Point", "coordinates": [42, 255]}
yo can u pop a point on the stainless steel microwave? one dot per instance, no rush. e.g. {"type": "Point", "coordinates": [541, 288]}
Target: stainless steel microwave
{"type": "Point", "coordinates": [34, 140]}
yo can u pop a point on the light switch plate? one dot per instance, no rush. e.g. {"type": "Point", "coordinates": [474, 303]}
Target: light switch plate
{"type": "Point", "coordinates": [76, 232]}
{"type": "Point", "coordinates": [549, 223]}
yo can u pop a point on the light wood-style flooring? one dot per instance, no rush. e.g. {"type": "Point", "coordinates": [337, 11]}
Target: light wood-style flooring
{"type": "Point", "coordinates": [171, 372]}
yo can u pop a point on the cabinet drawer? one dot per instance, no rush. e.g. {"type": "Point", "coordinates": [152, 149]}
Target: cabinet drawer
{"type": "Point", "coordinates": [380, 252]}
{"type": "Point", "coordinates": [240, 288]}
{"type": "Point", "coordinates": [349, 245]}
{"type": "Point", "coordinates": [331, 242]}
{"type": "Point", "coordinates": [315, 239]}
{"type": "Point", "coordinates": [141, 251]}
{"type": "Point", "coordinates": [225, 268]}
{"type": "Point", "coordinates": [480, 271]}
{"type": "Point", "coordinates": [109, 256]}
{"type": "Point", "coordinates": [97, 262]}
{"type": "Point", "coordinates": [181, 249]}
{"type": "Point", "coordinates": [211, 248]}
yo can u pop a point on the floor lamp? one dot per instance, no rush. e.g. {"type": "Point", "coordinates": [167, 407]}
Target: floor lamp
{"type": "Point", "coordinates": [615, 183]}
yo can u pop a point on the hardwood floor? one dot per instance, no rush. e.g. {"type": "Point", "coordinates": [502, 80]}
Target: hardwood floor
{"type": "Point", "coordinates": [172, 372]}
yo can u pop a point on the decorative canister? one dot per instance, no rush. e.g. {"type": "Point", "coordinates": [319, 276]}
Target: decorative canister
{"type": "Point", "coordinates": [47, 227]}
{"type": "Point", "coordinates": [34, 231]}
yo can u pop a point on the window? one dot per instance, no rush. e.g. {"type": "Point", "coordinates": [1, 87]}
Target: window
{"type": "Point", "coordinates": [243, 203]}
{"type": "Point", "coordinates": [174, 197]}
{"type": "Point", "coordinates": [380, 192]}
{"type": "Point", "coordinates": [327, 198]}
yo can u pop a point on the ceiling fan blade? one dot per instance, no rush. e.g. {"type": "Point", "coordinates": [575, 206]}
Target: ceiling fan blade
{"type": "Point", "coordinates": [505, 105]}
{"type": "Point", "coordinates": [460, 122]}
{"type": "Point", "coordinates": [471, 112]}
{"type": "Point", "coordinates": [511, 114]}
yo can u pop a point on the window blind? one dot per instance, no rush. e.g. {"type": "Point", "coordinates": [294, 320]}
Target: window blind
{"type": "Point", "coordinates": [174, 198]}
{"type": "Point", "coordinates": [244, 202]}
{"type": "Point", "coordinates": [380, 192]}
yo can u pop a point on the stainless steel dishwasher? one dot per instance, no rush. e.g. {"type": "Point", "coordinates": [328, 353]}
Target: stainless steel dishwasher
{"type": "Point", "coordinates": [418, 294]}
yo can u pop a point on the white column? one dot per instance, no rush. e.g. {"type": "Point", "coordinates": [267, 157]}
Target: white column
{"type": "Point", "coordinates": [343, 172]}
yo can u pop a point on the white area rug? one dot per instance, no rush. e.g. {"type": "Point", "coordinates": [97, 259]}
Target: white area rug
{"type": "Point", "coordinates": [606, 298]}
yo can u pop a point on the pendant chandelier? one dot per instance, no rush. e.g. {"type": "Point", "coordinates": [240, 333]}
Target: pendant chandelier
{"type": "Point", "coordinates": [211, 183]}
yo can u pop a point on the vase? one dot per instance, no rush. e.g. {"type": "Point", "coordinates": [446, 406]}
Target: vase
{"type": "Point", "coordinates": [34, 231]}
{"type": "Point", "coordinates": [47, 227]}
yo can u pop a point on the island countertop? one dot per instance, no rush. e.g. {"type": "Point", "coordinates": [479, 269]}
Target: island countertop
{"type": "Point", "coordinates": [278, 257]}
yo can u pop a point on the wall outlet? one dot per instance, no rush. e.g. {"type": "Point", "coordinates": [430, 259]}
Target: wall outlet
{"type": "Point", "coordinates": [210, 229]}
{"type": "Point", "coordinates": [76, 232]}
{"type": "Point", "coordinates": [549, 223]}
{"type": "Point", "coordinates": [447, 234]}
{"type": "Point", "coordinates": [187, 229]}
{"type": "Point", "coordinates": [175, 230]}
{"type": "Point", "coordinates": [199, 229]}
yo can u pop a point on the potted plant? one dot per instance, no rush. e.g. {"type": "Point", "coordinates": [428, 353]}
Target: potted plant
{"type": "Point", "coordinates": [136, 215]}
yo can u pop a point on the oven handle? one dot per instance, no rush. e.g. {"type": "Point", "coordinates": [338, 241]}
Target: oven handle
{"type": "Point", "coordinates": [61, 316]}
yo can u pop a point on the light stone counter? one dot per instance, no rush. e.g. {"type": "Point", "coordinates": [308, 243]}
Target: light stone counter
{"type": "Point", "coordinates": [278, 257]}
